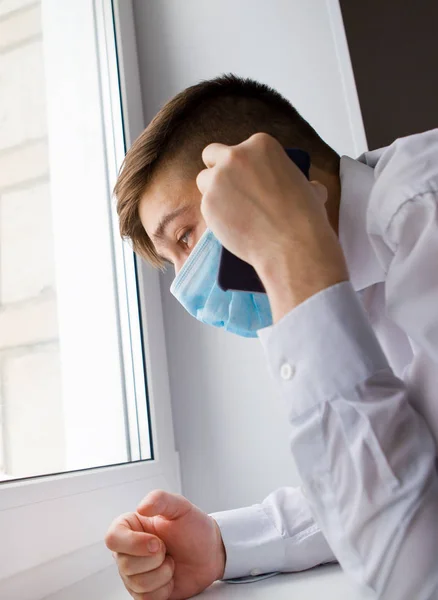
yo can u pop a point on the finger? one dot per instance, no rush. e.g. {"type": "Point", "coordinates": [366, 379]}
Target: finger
{"type": "Point", "coordinates": [203, 180]}
{"type": "Point", "coordinates": [212, 153]}
{"type": "Point", "coordinates": [134, 565]}
{"type": "Point", "coordinates": [163, 593]}
{"type": "Point", "coordinates": [144, 583]}
{"type": "Point", "coordinates": [170, 506]}
{"type": "Point", "coordinates": [121, 539]}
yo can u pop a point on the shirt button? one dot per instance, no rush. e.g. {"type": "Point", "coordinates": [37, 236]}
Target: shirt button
{"type": "Point", "coordinates": [255, 572]}
{"type": "Point", "coordinates": [287, 371]}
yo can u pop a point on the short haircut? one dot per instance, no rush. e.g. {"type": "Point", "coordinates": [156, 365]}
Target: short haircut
{"type": "Point", "coordinates": [228, 110]}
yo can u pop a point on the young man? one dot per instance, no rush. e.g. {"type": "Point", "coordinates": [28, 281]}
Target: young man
{"type": "Point", "coordinates": [350, 265]}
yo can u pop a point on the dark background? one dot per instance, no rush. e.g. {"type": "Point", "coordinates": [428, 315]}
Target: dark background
{"type": "Point", "coordinates": [394, 51]}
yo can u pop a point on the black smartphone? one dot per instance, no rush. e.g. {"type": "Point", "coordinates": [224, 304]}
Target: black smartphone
{"type": "Point", "coordinates": [236, 274]}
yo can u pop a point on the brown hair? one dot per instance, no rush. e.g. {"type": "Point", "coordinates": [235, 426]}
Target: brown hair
{"type": "Point", "coordinates": [228, 110]}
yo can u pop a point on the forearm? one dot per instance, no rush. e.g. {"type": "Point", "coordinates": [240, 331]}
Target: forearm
{"type": "Point", "coordinates": [365, 456]}
{"type": "Point", "coordinates": [295, 273]}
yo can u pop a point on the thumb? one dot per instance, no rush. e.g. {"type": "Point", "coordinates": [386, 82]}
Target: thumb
{"type": "Point", "coordinates": [164, 504]}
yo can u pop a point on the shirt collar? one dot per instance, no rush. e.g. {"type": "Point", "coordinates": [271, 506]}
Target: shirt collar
{"type": "Point", "coordinates": [357, 180]}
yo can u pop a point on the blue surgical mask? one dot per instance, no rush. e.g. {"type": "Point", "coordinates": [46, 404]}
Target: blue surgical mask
{"type": "Point", "coordinates": [196, 288]}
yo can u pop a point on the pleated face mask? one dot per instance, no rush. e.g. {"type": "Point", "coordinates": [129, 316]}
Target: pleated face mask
{"type": "Point", "coordinates": [196, 288]}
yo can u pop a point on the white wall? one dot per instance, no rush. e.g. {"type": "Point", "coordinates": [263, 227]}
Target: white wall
{"type": "Point", "coordinates": [230, 424]}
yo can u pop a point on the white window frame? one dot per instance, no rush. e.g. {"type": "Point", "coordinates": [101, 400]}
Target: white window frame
{"type": "Point", "coordinates": [52, 528]}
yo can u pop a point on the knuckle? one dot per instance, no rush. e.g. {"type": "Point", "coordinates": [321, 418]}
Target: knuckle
{"type": "Point", "coordinates": [169, 588]}
{"type": "Point", "coordinates": [135, 568]}
{"type": "Point", "coordinates": [126, 584]}
{"type": "Point", "coordinates": [218, 175]}
{"type": "Point", "coordinates": [137, 588]}
{"type": "Point", "coordinates": [123, 562]}
{"type": "Point", "coordinates": [139, 583]}
{"type": "Point", "coordinates": [231, 155]}
{"type": "Point", "coordinates": [167, 572]}
{"type": "Point", "coordinates": [112, 535]}
{"type": "Point", "coordinates": [203, 180]}
{"type": "Point", "coordinates": [145, 583]}
{"type": "Point", "coordinates": [158, 559]}
{"type": "Point", "coordinates": [163, 593]}
{"type": "Point", "coordinates": [263, 140]}
{"type": "Point", "coordinates": [157, 496]}
{"type": "Point", "coordinates": [236, 154]}
{"type": "Point", "coordinates": [205, 209]}
{"type": "Point", "coordinates": [111, 539]}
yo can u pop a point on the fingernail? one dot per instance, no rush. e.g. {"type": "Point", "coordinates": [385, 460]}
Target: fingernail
{"type": "Point", "coordinates": [154, 546]}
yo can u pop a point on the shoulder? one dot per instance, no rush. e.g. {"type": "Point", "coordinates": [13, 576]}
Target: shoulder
{"type": "Point", "coordinates": [405, 171]}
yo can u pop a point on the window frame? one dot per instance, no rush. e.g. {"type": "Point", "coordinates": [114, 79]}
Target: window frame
{"type": "Point", "coordinates": [53, 526]}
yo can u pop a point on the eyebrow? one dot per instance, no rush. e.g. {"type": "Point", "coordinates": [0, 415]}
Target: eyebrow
{"type": "Point", "coordinates": [160, 231]}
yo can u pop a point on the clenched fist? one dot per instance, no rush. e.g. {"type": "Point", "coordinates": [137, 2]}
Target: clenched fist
{"type": "Point", "coordinates": [168, 549]}
{"type": "Point", "coordinates": [262, 209]}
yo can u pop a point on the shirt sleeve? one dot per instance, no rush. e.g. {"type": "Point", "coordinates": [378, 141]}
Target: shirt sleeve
{"type": "Point", "coordinates": [278, 535]}
{"type": "Point", "coordinates": [366, 457]}
{"type": "Point", "coordinates": [363, 440]}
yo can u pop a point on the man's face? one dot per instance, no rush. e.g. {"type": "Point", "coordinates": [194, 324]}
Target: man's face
{"type": "Point", "coordinates": [170, 213]}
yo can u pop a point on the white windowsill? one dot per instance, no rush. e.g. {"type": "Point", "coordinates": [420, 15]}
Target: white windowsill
{"type": "Point", "coordinates": [323, 583]}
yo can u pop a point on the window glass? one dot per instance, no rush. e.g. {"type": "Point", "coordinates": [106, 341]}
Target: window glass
{"type": "Point", "coordinates": [72, 382]}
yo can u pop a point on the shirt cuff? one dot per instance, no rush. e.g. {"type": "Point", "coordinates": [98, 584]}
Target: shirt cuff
{"type": "Point", "coordinates": [323, 346]}
{"type": "Point", "coordinates": [252, 543]}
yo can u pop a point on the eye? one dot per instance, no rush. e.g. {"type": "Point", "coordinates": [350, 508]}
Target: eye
{"type": "Point", "coordinates": [185, 238]}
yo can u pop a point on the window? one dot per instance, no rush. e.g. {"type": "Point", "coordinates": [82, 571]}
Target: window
{"type": "Point", "coordinates": [78, 332]}
{"type": "Point", "coordinates": [72, 375]}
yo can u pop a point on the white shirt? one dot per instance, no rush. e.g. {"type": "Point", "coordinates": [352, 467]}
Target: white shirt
{"type": "Point", "coordinates": [357, 365]}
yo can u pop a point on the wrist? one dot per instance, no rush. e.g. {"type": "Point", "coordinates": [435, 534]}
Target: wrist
{"type": "Point", "coordinates": [290, 279]}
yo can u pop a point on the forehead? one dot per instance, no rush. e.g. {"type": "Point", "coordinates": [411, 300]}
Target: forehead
{"type": "Point", "coordinates": [167, 191]}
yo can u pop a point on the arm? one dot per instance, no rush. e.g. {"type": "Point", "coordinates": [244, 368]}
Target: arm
{"type": "Point", "coordinates": [279, 534]}
{"type": "Point", "coordinates": [371, 477]}
{"type": "Point", "coordinates": [365, 455]}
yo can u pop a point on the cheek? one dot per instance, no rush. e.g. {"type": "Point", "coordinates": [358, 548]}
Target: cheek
{"type": "Point", "coordinates": [183, 256]}
{"type": "Point", "coordinates": [178, 265]}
